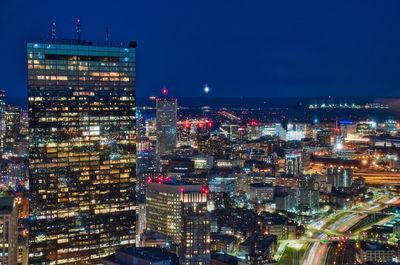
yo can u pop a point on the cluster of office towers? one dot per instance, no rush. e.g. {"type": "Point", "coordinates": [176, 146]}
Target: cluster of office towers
{"type": "Point", "coordinates": [82, 128]}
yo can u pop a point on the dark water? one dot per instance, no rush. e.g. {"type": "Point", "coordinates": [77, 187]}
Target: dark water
{"type": "Point", "coordinates": [288, 108]}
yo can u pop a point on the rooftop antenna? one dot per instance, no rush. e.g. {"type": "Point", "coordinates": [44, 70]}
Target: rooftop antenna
{"type": "Point", "coordinates": [53, 33]}
{"type": "Point", "coordinates": [78, 28]}
{"type": "Point", "coordinates": [107, 35]}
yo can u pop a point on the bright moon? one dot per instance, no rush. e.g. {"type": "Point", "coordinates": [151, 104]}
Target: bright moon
{"type": "Point", "coordinates": [206, 89]}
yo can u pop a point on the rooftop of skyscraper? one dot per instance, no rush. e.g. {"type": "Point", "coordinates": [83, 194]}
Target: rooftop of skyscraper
{"type": "Point", "coordinates": [130, 44]}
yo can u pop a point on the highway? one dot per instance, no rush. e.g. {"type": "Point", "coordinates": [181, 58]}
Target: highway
{"type": "Point", "coordinates": [379, 177]}
{"type": "Point", "coordinates": [336, 227]}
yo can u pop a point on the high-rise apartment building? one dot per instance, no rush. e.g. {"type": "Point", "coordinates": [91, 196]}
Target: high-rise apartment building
{"type": "Point", "coordinates": [166, 118]}
{"type": "Point", "coordinates": [340, 177]}
{"type": "Point", "coordinates": [82, 150]}
{"type": "Point", "coordinates": [293, 164]}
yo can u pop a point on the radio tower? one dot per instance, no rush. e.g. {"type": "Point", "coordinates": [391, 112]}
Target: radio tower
{"type": "Point", "coordinates": [78, 28]}
{"type": "Point", "coordinates": [107, 35]}
{"type": "Point", "coordinates": [53, 33]}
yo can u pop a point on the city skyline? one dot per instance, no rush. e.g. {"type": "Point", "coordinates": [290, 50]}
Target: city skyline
{"type": "Point", "coordinates": [200, 133]}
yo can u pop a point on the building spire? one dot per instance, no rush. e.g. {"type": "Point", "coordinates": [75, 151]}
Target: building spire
{"type": "Point", "coordinates": [53, 33]}
{"type": "Point", "coordinates": [78, 28]}
{"type": "Point", "coordinates": [107, 35]}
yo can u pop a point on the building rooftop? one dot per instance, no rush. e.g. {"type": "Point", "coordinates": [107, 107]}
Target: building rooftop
{"type": "Point", "coordinates": [6, 205]}
{"type": "Point", "coordinates": [152, 254]}
{"type": "Point", "coordinates": [222, 237]}
{"type": "Point", "coordinates": [44, 44]}
{"type": "Point", "coordinates": [224, 258]}
{"type": "Point", "coordinates": [166, 99]}
{"type": "Point", "coordinates": [375, 246]}
{"type": "Point", "coordinates": [170, 181]}
{"type": "Point", "coordinates": [261, 185]}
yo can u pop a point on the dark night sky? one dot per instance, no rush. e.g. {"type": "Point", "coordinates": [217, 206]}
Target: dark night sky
{"type": "Point", "coordinates": [265, 48]}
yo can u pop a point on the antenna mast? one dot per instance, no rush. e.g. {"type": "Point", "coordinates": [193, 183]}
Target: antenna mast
{"type": "Point", "coordinates": [53, 33]}
{"type": "Point", "coordinates": [107, 35]}
{"type": "Point", "coordinates": [78, 28]}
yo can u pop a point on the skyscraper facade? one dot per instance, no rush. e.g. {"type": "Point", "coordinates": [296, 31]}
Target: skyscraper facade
{"type": "Point", "coordinates": [164, 209]}
{"type": "Point", "coordinates": [82, 150]}
{"type": "Point", "coordinates": [13, 117]}
{"type": "Point", "coordinates": [166, 118]}
{"type": "Point", "coordinates": [293, 164]}
{"type": "Point", "coordinates": [340, 177]}
{"type": "Point", "coordinates": [178, 210]}
{"type": "Point", "coordinates": [195, 228]}
{"type": "Point", "coordinates": [8, 231]}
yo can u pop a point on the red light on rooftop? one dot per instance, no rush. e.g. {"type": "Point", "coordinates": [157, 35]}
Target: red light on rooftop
{"type": "Point", "coordinates": [204, 190]}
{"type": "Point", "coordinates": [79, 21]}
{"type": "Point", "coordinates": [182, 189]}
{"type": "Point", "coordinates": [210, 124]}
{"type": "Point", "coordinates": [164, 91]}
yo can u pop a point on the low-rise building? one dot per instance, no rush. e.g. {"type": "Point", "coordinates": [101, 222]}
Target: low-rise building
{"type": "Point", "coordinates": [372, 251]}
{"type": "Point", "coordinates": [260, 192]}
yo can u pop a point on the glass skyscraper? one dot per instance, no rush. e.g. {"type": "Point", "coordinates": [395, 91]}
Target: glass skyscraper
{"type": "Point", "coordinates": [82, 150]}
{"type": "Point", "coordinates": [166, 118]}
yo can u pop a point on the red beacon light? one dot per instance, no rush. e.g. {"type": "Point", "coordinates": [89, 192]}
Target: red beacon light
{"type": "Point", "coordinates": [164, 91]}
{"type": "Point", "coordinates": [204, 190]}
{"type": "Point", "coordinates": [182, 190]}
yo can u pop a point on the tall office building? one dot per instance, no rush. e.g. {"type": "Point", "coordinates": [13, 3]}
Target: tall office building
{"type": "Point", "coordinates": [13, 123]}
{"type": "Point", "coordinates": [195, 228]}
{"type": "Point", "coordinates": [148, 165]}
{"type": "Point", "coordinates": [166, 118]}
{"type": "Point", "coordinates": [178, 210]}
{"type": "Point", "coordinates": [82, 150]}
